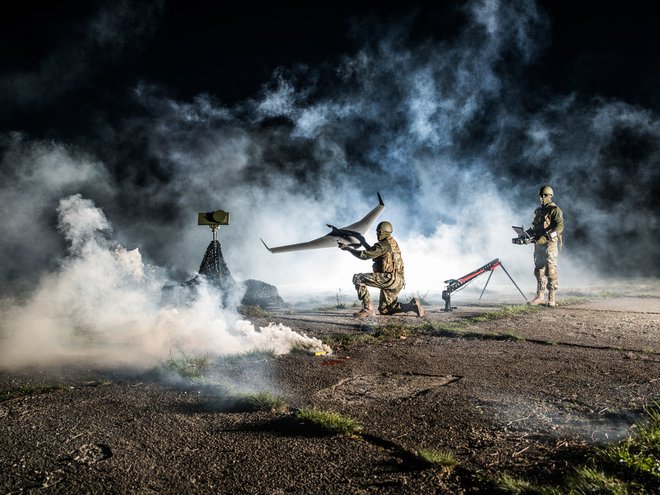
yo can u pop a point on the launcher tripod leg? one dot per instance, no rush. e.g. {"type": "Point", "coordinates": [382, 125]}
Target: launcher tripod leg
{"type": "Point", "coordinates": [514, 283]}
{"type": "Point", "coordinates": [484, 289]}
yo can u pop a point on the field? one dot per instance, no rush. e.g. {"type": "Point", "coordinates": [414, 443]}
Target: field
{"type": "Point", "coordinates": [489, 398]}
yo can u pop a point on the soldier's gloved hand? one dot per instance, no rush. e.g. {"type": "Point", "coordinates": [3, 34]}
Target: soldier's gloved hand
{"type": "Point", "coordinates": [341, 245]}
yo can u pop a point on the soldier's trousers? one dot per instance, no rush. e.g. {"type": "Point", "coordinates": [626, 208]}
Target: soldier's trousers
{"type": "Point", "coordinates": [545, 266]}
{"type": "Point", "coordinates": [389, 286]}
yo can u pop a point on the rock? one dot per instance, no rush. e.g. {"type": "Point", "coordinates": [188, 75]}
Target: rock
{"type": "Point", "coordinates": [258, 293]}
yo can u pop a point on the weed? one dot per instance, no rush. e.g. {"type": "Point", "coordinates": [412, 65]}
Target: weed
{"type": "Point", "coordinates": [639, 455]}
{"type": "Point", "coordinates": [509, 484]}
{"type": "Point", "coordinates": [421, 298]}
{"type": "Point", "coordinates": [503, 312]}
{"type": "Point", "coordinates": [587, 480]}
{"type": "Point", "coordinates": [631, 466]}
{"type": "Point", "coordinates": [329, 422]}
{"type": "Point", "coordinates": [441, 458]}
{"type": "Point", "coordinates": [572, 300]}
{"type": "Point", "coordinates": [347, 339]}
{"type": "Point", "coordinates": [340, 304]}
{"type": "Point", "coordinates": [393, 331]}
{"type": "Point", "coordinates": [188, 367]}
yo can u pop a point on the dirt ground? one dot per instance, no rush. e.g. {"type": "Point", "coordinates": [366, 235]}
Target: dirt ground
{"type": "Point", "coordinates": [529, 394]}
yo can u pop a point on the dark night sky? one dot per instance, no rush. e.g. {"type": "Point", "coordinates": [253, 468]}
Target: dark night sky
{"type": "Point", "coordinates": [596, 48]}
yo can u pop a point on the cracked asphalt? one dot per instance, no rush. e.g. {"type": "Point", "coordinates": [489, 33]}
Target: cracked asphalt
{"type": "Point", "coordinates": [528, 394]}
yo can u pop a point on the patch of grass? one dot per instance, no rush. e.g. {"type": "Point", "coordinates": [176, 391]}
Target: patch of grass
{"type": "Point", "coordinates": [440, 458]}
{"type": "Point", "coordinates": [264, 401]}
{"type": "Point", "coordinates": [458, 328]}
{"type": "Point", "coordinates": [587, 480]}
{"type": "Point", "coordinates": [518, 486]}
{"type": "Point", "coordinates": [28, 390]}
{"type": "Point", "coordinates": [503, 312]}
{"type": "Point", "coordinates": [572, 300]}
{"type": "Point", "coordinates": [347, 339]}
{"type": "Point", "coordinates": [189, 368]}
{"type": "Point", "coordinates": [329, 422]}
{"type": "Point", "coordinates": [393, 331]}
{"type": "Point", "coordinates": [639, 456]}
{"type": "Point", "coordinates": [628, 467]}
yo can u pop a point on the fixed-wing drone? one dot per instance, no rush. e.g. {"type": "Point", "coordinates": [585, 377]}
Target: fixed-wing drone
{"type": "Point", "coordinates": [351, 234]}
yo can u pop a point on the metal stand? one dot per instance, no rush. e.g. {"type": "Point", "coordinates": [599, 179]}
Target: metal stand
{"type": "Point", "coordinates": [510, 278]}
{"type": "Point", "coordinates": [454, 285]}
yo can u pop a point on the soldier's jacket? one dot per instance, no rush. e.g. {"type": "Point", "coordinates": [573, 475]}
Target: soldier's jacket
{"type": "Point", "coordinates": [548, 221]}
{"type": "Point", "coordinates": [386, 255]}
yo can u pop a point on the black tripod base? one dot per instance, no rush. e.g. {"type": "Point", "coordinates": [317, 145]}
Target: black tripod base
{"type": "Point", "coordinates": [446, 297]}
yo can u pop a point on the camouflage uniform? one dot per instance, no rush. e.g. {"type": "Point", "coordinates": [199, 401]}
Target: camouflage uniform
{"type": "Point", "coordinates": [387, 276]}
{"type": "Point", "coordinates": [547, 227]}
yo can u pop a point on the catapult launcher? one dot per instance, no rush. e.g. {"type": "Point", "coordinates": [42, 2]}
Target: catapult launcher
{"type": "Point", "coordinates": [454, 285]}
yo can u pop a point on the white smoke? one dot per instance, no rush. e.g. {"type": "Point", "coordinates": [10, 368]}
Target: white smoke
{"type": "Point", "coordinates": [103, 304]}
{"type": "Point", "coordinates": [446, 130]}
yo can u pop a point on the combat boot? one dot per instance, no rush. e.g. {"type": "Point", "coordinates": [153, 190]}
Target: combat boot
{"type": "Point", "coordinates": [552, 300]}
{"type": "Point", "coordinates": [365, 312]}
{"type": "Point", "coordinates": [417, 306]}
{"type": "Point", "coordinates": [539, 299]}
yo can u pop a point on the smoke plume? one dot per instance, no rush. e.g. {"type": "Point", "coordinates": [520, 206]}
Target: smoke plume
{"type": "Point", "coordinates": [105, 305]}
{"type": "Point", "coordinates": [451, 131]}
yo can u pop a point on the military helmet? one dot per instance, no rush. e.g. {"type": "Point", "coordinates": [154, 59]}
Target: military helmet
{"type": "Point", "coordinates": [546, 190]}
{"type": "Point", "coordinates": [385, 227]}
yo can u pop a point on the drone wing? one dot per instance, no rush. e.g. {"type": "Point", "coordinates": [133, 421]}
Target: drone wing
{"type": "Point", "coordinates": [330, 240]}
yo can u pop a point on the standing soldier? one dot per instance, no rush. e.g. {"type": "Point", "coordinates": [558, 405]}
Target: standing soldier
{"type": "Point", "coordinates": [387, 275]}
{"type": "Point", "coordinates": [546, 231]}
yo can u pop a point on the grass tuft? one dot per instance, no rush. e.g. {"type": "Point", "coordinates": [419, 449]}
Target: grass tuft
{"type": "Point", "coordinates": [393, 331]}
{"type": "Point", "coordinates": [586, 481]}
{"type": "Point", "coordinates": [189, 368]}
{"type": "Point", "coordinates": [628, 467]}
{"type": "Point", "coordinates": [329, 422]}
{"type": "Point", "coordinates": [440, 458]}
{"type": "Point", "coordinates": [423, 299]}
{"type": "Point", "coordinates": [638, 457]}
{"type": "Point", "coordinates": [347, 339]}
{"type": "Point", "coordinates": [518, 486]}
